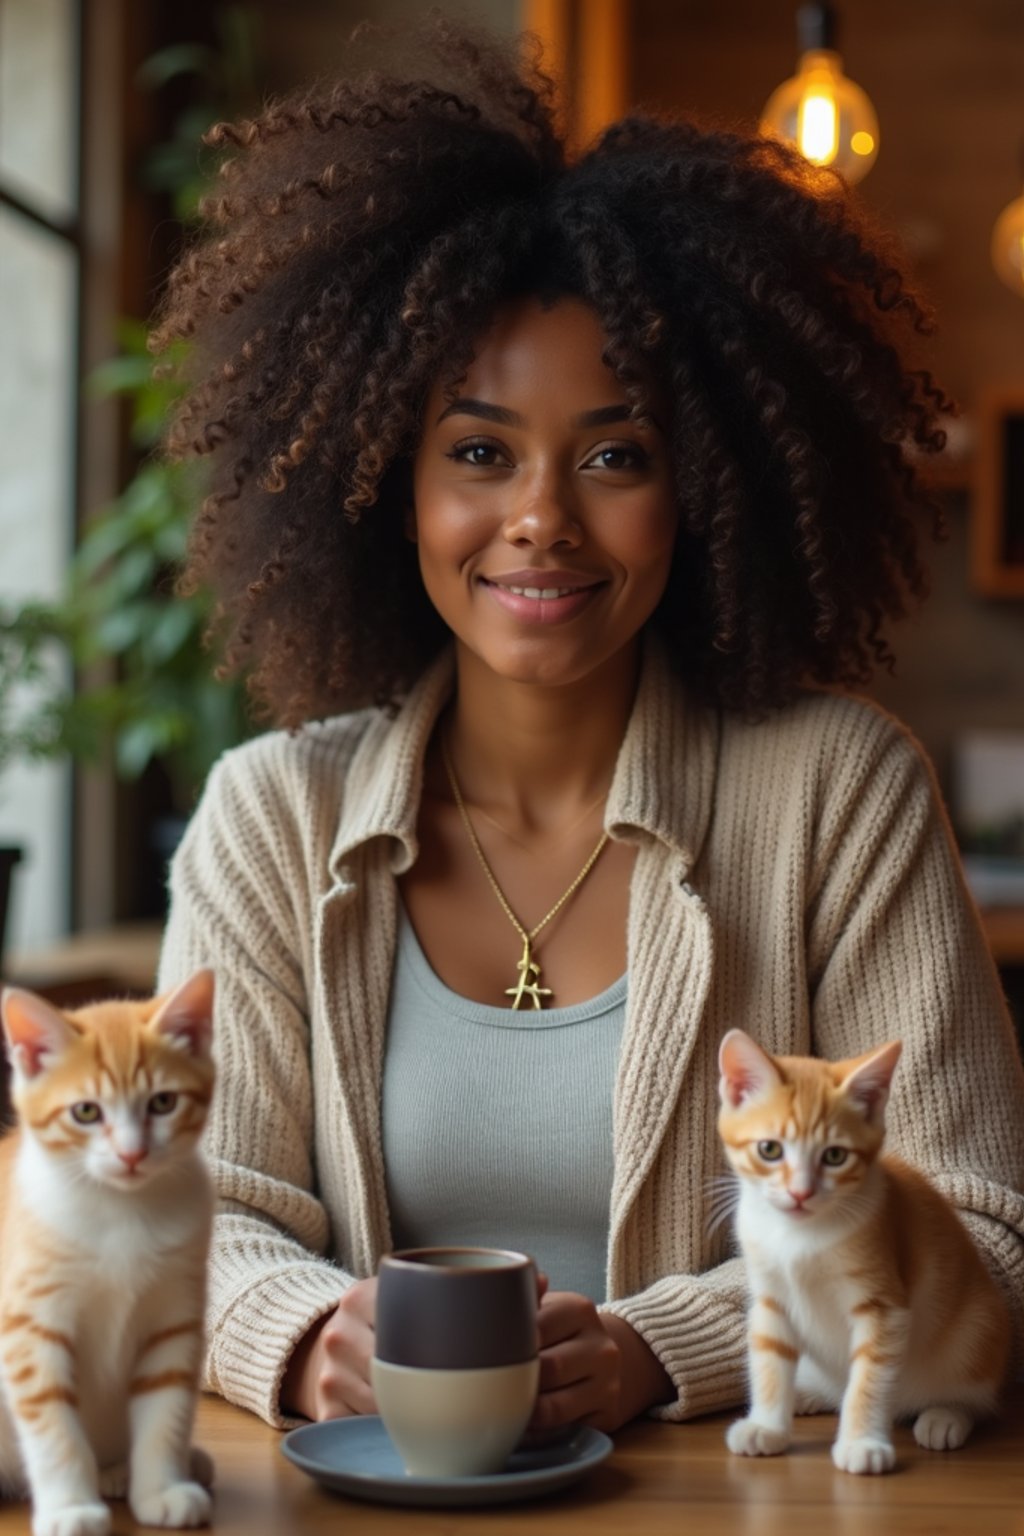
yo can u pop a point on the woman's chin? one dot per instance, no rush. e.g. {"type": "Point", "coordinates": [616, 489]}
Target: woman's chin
{"type": "Point", "coordinates": [538, 662]}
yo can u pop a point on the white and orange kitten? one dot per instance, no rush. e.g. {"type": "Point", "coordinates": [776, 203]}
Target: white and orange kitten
{"type": "Point", "coordinates": [867, 1293]}
{"type": "Point", "coordinates": [106, 1209]}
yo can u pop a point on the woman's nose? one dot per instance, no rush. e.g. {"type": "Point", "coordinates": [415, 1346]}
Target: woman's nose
{"type": "Point", "coordinates": [543, 512]}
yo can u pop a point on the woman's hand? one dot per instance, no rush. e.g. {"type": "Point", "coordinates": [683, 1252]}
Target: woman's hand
{"type": "Point", "coordinates": [328, 1376]}
{"type": "Point", "coordinates": [593, 1368]}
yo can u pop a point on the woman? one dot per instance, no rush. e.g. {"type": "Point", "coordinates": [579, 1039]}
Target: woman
{"type": "Point", "coordinates": [560, 494]}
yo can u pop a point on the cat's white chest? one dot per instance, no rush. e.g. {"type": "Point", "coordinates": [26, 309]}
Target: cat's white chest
{"type": "Point", "coordinates": [797, 1266]}
{"type": "Point", "coordinates": [122, 1258]}
{"type": "Point", "coordinates": [123, 1267]}
{"type": "Point", "coordinates": [817, 1305]}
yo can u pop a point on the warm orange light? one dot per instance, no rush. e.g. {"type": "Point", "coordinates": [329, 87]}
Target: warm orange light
{"type": "Point", "coordinates": [828, 117]}
{"type": "Point", "coordinates": [1008, 245]}
{"type": "Point", "coordinates": [817, 131]}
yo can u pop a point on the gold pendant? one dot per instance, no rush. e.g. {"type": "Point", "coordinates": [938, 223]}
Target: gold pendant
{"type": "Point", "coordinates": [529, 981]}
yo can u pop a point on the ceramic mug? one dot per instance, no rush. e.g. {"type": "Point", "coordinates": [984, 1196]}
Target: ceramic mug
{"type": "Point", "coordinates": [455, 1366]}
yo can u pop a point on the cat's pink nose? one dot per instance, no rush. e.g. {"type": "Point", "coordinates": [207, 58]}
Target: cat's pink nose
{"type": "Point", "coordinates": [800, 1195]}
{"type": "Point", "coordinates": [132, 1159]}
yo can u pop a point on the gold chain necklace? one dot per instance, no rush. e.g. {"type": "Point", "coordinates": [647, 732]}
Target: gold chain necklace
{"type": "Point", "coordinates": [528, 984]}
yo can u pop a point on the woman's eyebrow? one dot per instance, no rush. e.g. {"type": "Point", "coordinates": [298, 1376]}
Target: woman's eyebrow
{"type": "Point", "coordinates": [503, 417]}
{"type": "Point", "coordinates": [496, 413]}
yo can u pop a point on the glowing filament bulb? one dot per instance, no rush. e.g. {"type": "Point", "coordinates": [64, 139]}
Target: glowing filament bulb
{"type": "Point", "coordinates": [817, 124]}
{"type": "Point", "coordinates": [820, 110]}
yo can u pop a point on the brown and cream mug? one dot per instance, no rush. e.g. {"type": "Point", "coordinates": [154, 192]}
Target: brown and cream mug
{"type": "Point", "coordinates": [455, 1366]}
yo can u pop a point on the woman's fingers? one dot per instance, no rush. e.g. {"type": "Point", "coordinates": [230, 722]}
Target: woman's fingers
{"type": "Point", "coordinates": [571, 1405]}
{"type": "Point", "coordinates": [578, 1359]}
{"type": "Point", "coordinates": [562, 1315]}
{"type": "Point", "coordinates": [343, 1353]}
{"type": "Point", "coordinates": [579, 1363]}
{"type": "Point", "coordinates": [342, 1394]}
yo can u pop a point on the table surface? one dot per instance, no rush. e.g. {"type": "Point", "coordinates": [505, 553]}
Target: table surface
{"type": "Point", "coordinates": [662, 1479]}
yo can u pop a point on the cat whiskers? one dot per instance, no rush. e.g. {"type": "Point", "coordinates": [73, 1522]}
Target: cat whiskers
{"type": "Point", "coordinates": [77, 1175]}
{"type": "Point", "coordinates": [722, 1193]}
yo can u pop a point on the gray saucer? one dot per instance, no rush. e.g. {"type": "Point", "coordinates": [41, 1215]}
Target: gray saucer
{"type": "Point", "coordinates": [356, 1456]}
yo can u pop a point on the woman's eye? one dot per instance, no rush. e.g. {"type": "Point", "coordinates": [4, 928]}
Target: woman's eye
{"type": "Point", "coordinates": [483, 455]}
{"type": "Point", "coordinates": [620, 457]}
{"type": "Point", "coordinates": [86, 1113]}
{"type": "Point", "coordinates": [834, 1157]}
{"type": "Point", "coordinates": [769, 1151]}
{"type": "Point", "coordinates": [162, 1103]}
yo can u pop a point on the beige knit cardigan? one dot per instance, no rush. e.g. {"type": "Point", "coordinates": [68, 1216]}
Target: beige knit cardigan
{"type": "Point", "coordinates": [795, 877]}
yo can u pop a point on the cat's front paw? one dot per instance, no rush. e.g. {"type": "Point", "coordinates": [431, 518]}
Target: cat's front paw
{"type": "Point", "coordinates": [942, 1429]}
{"type": "Point", "coordinates": [749, 1438]}
{"type": "Point", "coordinates": [866, 1454]}
{"type": "Point", "coordinates": [179, 1505]}
{"type": "Point", "coordinates": [92, 1519]}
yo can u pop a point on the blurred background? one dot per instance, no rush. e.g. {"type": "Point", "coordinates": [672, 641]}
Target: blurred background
{"type": "Point", "coordinates": [109, 718]}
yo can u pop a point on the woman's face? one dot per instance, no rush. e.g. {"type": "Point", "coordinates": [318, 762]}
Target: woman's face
{"type": "Point", "coordinates": [544, 517]}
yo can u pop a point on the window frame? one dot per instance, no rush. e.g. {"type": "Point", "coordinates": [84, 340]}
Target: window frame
{"type": "Point", "coordinates": [69, 232]}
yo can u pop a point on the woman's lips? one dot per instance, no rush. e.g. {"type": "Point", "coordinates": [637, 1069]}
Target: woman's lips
{"type": "Point", "coordinates": [542, 610]}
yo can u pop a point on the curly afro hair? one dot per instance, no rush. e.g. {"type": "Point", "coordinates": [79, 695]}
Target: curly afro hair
{"type": "Point", "coordinates": [362, 237]}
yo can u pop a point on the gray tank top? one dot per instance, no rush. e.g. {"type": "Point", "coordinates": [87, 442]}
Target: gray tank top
{"type": "Point", "coordinates": [497, 1124]}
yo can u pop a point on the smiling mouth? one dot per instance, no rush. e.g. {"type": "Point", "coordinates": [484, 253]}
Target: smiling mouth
{"type": "Point", "coordinates": [550, 589]}
{"type": "Point", "coordinates": [542, 605]}
{"type": "Point", "coordinates": [540, 592]}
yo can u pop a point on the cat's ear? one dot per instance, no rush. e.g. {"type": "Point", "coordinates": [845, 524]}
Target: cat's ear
{"type": "Point", "coordinates": [185, 1016]}
{"type": "Point", "coordinates": [36, 1031]}
{"type": "Point", "coordinates": [747, 1070]}
{"type": "Point", "coordinates": [868, 1083]}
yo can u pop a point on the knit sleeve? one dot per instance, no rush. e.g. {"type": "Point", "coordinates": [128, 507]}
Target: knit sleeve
{"type": "Point", "coordinates": [896, 951]}
{"type": "Point", "coordinates": [696, 1325]}
{"type": "Point", "coordinates": [269, 1280]}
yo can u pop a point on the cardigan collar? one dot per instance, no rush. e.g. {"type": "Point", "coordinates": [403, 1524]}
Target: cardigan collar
{"type": "Point", "coordinates": [663, 784]}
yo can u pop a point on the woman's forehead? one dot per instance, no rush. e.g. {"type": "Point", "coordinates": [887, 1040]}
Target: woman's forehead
{"type": "Point", "coordinates": [538, 357]}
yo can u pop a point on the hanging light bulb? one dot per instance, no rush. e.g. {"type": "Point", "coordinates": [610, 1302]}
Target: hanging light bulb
{"type": "Point", "coordinates": [1008, 242]}
{"type": "Point", "coordinates": [828, 117]}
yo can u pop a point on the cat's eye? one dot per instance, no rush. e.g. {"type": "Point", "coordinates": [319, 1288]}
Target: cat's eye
{"type": "Point", "coordinates": [834, 1157]}
{"type": "Point", "coordinates": [769, 1151]}
{"type": "Point", "coordinates": [162, 1103]}
{"type": "Point", "coordinates": [86, 1113]}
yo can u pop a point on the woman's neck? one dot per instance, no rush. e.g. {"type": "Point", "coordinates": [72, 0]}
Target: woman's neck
{"type": "Point", "coordinates": [537, 757]}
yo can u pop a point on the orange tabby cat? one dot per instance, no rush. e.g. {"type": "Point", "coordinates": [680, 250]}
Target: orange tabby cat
{"type": "Point", "coordinates": [106, 1210]}
{"type": "Point", "coordinates": [868, 1294]}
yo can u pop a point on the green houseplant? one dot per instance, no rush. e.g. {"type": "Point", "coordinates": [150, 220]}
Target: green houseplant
{"type": "Point", "coordinates": [119, 616]}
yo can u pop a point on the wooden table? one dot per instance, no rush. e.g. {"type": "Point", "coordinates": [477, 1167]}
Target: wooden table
{"type": "Point", "coordinates": [663, 1480]}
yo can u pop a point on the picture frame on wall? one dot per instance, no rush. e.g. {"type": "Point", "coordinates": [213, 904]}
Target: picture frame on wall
{"type": "Point", "coordinates": [997, 500]}
{"type": "Point", "coordinates": [988, 813]}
